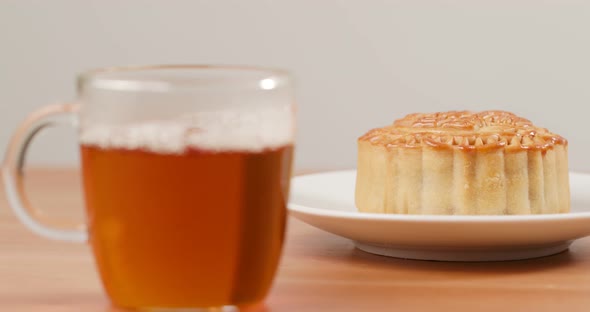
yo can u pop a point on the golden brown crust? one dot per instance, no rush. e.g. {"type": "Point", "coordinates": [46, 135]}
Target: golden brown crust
{"type": "Point", "coordinates": [485, 130]}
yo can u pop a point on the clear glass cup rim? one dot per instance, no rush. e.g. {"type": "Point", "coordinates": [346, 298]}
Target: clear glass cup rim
{"type": "Point", "coordinates": [137, 78]}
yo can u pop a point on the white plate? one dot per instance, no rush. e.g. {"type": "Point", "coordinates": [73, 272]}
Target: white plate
{"type": "Point", "coordinates": [326, 201]}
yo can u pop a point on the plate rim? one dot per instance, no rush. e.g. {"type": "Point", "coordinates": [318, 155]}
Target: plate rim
{"type": "Point", "coordinates": [298, 208]}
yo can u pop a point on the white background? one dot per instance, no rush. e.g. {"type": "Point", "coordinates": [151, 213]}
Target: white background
{"type": "Point", "coordinates": [359, 64]}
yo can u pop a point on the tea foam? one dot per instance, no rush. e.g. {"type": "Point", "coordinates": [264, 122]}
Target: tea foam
{"type": "Point", "coordinates": [250, 131]}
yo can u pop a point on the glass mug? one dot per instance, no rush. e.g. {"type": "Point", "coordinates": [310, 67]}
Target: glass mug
{"type": "Point", "coordinates": [185, 175]}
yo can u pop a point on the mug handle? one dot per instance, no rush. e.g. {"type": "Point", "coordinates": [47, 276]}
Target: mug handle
{"type": "Point", "coordinates": [13, 175]}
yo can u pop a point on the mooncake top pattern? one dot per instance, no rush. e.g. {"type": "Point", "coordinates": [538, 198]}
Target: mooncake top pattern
{"type": "Point", "coordinates": [464, 130]}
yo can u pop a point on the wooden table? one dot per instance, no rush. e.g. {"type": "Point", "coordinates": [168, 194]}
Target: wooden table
{"type": "Point", "coordinates": [319, 271]}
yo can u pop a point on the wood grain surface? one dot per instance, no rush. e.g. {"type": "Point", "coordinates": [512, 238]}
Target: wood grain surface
{"type": "Point", "coordinates": [319, 271]}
